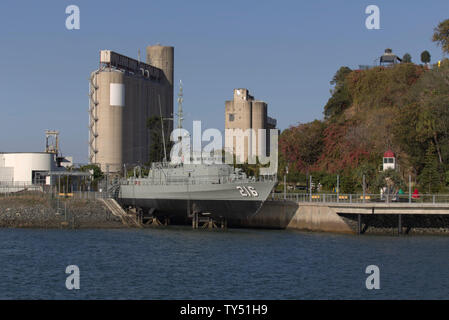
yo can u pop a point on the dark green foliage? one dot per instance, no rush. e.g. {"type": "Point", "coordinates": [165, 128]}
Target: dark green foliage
{"type": "Point", "coordinates": [340, 99]}
{"type": "Point", "coordinates": [407, 58]}
{"type": "Point", "coordinates": [391, 179]}
{"type": "Point", "coordinates": [423, 117]}
{"type": "Point", "coordinates": [347, 184]}
{"type": "Point", "coordinates": [95, 179]}
{"type": "Point", "coordinates": [429, 178]}
{"type": "Point", "coordinates": [328, 181]}
{"type": "Point", "coordinates": [157, 147]}
{"type": "Point", "coordinates": [425, 57]}
{"type": "Point", "coordinates": [98, 174]}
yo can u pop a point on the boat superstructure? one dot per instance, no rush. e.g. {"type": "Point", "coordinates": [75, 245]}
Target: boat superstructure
{"type": "Point", "coordinates": [177, 191]}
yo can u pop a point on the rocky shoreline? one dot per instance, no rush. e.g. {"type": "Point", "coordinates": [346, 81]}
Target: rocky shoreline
{"type": "Point", "coordinates": [42, 211]}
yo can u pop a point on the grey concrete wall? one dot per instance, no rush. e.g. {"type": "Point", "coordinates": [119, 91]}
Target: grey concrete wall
{"type": "Point", "coordinates": [291, 215]}
{"type": "Point", "coordinates": [318, 218]}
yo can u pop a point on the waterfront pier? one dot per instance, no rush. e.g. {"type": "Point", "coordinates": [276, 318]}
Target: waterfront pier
{"type": "Point", "coordinates": [354, 214]}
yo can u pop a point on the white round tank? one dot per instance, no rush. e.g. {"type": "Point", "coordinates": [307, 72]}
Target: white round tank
{"type": "Point", "coordinates": [22, 165]}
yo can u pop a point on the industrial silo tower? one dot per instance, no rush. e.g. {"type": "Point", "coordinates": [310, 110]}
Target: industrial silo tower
{"type": "Point", "coordinates": [124, 93]}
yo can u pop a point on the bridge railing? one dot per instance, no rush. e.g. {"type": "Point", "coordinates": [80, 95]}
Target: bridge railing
{"type": "Point", "coordinates": [360, 198]}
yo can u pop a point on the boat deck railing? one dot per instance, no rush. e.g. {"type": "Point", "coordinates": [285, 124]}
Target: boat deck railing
{"type": "Point", "coordinates": [196, 180]}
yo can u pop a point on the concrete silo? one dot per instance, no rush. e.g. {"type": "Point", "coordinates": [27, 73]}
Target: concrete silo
{"type": "Point", "coordinates": [259, 122]}
{"type": "Point", "coordinates": [238, 118]}
{"type": "Point", "coordinates": [162, 57]}
{"type": "Point", "coordinates": [124, 93]}
{"type": "Point", "coordinates": [244, 113]}
{"type": "Point", "coordinates": [111, 94]}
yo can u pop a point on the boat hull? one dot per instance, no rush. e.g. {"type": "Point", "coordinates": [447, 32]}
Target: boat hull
{"type": "Point", "coordinates": [177, 202]}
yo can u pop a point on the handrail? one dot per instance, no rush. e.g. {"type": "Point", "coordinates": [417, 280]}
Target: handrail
{"type": "Point", "coordinates": [182, 180]}
{"type": "Point", "coordinates": [359, 198]}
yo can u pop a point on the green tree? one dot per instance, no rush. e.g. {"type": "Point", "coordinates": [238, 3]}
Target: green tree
{"type": "Point", "coordinates": [441, 35]}
{"type": "Point", "coordinates": [157, 146]}
{"type": "Point", "coordinates": [347, 183]}
{"type": "Point", "coordinates": [340, 77]}
{"type": "Point", "coordinates": [340, 99]}
{"type": "Point", "coordinates": [96, 177]}
{"type": "Point", "coordinates": [97, 173]}
{"type": "Point", "coordinates": [429, 177]}
{"type": "Point", "coordinates": [407, 58]}
{"type": "Point", "coordinates": [425, 57]}
{"type": "Point", "coordinates": [391, 179]}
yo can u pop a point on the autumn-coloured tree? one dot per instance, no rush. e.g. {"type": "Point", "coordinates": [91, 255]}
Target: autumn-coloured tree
{"type": "Point", "coordinates": [441, 35]}
{"type": "Point", "coordinates": [302, 145]}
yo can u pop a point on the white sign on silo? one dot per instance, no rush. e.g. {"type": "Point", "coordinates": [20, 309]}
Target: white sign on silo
{"type": "Point", "coordinates": [117, 94]}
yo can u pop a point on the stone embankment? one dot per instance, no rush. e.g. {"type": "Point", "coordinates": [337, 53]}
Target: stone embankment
{"type": "Point", "coordinates": [43, 211]}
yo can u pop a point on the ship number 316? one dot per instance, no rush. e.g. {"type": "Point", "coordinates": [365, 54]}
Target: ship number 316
{"type": "Point", "coordinates": [247, 191]}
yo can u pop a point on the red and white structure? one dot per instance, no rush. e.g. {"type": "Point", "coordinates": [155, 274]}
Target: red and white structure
{"type": "Point", "coordinates": [389, 161]}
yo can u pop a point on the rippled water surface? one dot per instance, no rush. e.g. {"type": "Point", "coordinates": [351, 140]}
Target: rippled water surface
{"type": "Point", "coordinates": [180, 263]}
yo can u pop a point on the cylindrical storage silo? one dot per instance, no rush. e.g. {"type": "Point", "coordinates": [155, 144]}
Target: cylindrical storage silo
{"type": "Point", "coordinates": [259, 121]}
{"type": "Point", "coordinates": [162, 57]}
{"type": "Point", "coordinates": [110, 125]}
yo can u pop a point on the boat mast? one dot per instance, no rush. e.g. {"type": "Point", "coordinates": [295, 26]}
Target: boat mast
{"type": "Point", "coordinates": [162, 127]}
{"type": "Point", "coordinates": [180, 100]}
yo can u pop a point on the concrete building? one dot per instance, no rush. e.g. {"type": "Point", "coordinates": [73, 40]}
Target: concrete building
{"type": "Point", "coordinates": [244, 113]}
{"type": "Point", "coordinates": [124, 93]}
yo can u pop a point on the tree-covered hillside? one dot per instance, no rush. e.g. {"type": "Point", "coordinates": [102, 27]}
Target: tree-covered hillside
{"type": "Point", "coordinates": [404, 108]}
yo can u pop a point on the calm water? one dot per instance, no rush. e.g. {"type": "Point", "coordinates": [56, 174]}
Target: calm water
{"type": "Point", "coordinates": [179, 263]}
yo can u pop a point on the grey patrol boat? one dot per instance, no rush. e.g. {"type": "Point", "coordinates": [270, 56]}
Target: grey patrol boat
{"type": "Point", "coordinates": [176, 191]}
{"type": "Point", "coordinates": [186, 190]}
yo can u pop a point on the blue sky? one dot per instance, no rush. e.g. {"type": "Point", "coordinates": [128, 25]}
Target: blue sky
{"type": "Point", "coordinates": [284, 52]}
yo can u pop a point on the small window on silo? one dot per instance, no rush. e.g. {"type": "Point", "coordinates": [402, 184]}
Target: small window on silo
{"type": "Point", "coordinates": [231, 117]}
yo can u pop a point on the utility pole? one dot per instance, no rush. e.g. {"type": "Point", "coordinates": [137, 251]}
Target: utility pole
{"type": "Point", "coordinates": [285, 182]}
{"type": "Point", "coordinates": [310, 188]}
{"type": "Point", "coordinates": [338, 187]}
{"type": "Point", "coordinates": [364, 189]}
{"type": "Point", "coordinates": [409, 188]}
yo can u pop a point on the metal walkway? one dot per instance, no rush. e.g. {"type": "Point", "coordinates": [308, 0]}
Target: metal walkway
{"type": "Point", "coordinates": [127, 219]}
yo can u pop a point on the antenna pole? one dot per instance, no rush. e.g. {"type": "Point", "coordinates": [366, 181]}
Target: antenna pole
{"type": "Point", "coordinates": [180, 100]}
{"type": "Point", "coordinates": [162, 127]}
